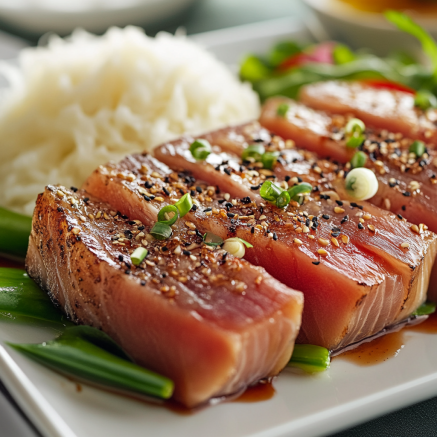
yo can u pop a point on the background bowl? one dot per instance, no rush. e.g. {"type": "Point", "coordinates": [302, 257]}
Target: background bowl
{"type": "Point", "coordinates": [62, 17]}
{"type": "Point", "coordinates": [365, 29]}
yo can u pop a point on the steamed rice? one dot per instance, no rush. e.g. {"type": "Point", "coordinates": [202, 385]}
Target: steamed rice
{"type": "Point", "coordinates": [87, 100]}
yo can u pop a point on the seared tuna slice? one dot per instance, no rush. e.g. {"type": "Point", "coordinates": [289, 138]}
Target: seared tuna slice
{"type": "Point", "coordinates": [381, 108]}
{"type": "Point", "coordinates": [212, 323]}
{"type": "Point", "coordinates": [356, 278]}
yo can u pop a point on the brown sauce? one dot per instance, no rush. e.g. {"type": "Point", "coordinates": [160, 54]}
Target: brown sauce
{"type": "Point", "coordinates": [429, 326]}
{"type": "Point", "coordinates": [423, 6]}
{"type": "Point", "coordinates": [257, 393]}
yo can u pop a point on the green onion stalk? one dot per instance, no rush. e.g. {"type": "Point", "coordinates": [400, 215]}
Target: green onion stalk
{"type": "Point", "coordinates": [310, 358]}
{"type": "Point", "coordinates": [14, 232]}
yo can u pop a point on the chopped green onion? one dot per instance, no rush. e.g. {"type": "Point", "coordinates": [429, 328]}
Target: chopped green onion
{"type": "Point", "coordinates": [354, 133]}
{"type": "Point", "coordinates": [425, 100]}
{"type": "Point", "coordinates": [211, 239]}
{"type": "Point", "coordinates": [138, 255]}
{"type": "Point", "coordinates": [310, 358]}
{"type": "Point", "coordinates": [200, 149]}
{"type": "Point", "coordinates": [270, 191]}
{"type": "Point", "coordinates": [343, 54]}
{"type": "Point", "coordinates": [361, 183]}
{"type": "Point", "coordinates": [235, 246]}
{"type": "Point", "coordinates": [269, 159]}
{"type": "Point", "coordinates": [418, 148]}
{"type": "Point", "coordinates": [161, 231]}
{"type": "Point", "coordinates": [425, 309]}
{"type": "Point", "coordinates": [22, 299]}
{"type": "Point", "coordinates": [168, 215]}
{"type": "Point", "coordinates": [184, 204]}
{"type": "Point", "coordinates": [296, 191]}
{"type": "Point", "coordinates": [282, 109]}
{"type": "Point", "coordinates": [90, 354]}
{"type": "Point", "coordinates": [254, 151]}
{"type": "Point", "coordinates": [14, 232]}
{"type": "Point", "coordinates": [358, 160]}
{"type": "Point", "coordinates": [283, 199]}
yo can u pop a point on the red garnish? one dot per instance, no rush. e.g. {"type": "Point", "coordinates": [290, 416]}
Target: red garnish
{"type": "Point", "coordinates": [385, 84]}
{"type": "Point", "coordinates": [322, 54]}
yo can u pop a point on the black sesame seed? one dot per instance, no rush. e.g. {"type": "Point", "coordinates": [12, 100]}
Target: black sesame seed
{"type": "Point", "coordinates": [224, 256]}
{"type": "Point", "coordinates": [147, 198]}
{"type": "Point", "coordinates": [255, 187]}
{"type": "Point", "coordinates": [325, 216]}
{"type": "Point", "coordinates": [86, 199]}
{"type": "Point", "coordinates": [127, 264]}
{"type": "Point", "coordinates": [252, 230]}
{"type": "Point", "coordinates": [335, 234]}
{"type": "Point", "coordinates": [275, 237]}
{"type": "Point", "coordinates": [164, 275]}
{"type": "Point", "coordinates": [60, 209]}
{"type": "Point", "coordinates": [143, 283]}
{"type": "Point", "coordinates": [406, 193]}
{"type": "Point", "coordinates": [192, 193]}
{"type": "Point", "coordinates": [228, 171]}
{"type": "Point", "coordinates": [360, 226]}
{"type": "Point", "coordinates": [400, 217]}
{"type": "Point", "coordinates": [287, 178]}
{"type": "Point", "coordinates": [229, 205]}
{"type": "Point", "coordinates": [246, 200]}
{"type": "Point", "coordinates": [128, 272]}
{"type": "Point", "coordinates": [199, 234]}
{"type": "Point", "coordinates": [164, 249]}
{"type": "Point", "coordinates": [316, 263]}
{"type": "Point", "coordinates": [186, 252]}
{"type": "Point", "coordinates": [120, 257]}
{"type": "Point", "coordinates": [230, 215]}
{"type": "Point", "coordinates": [140, 228]}
{"type": "Point", "coordinates": [199, 189]}
{"type": "Point", "coordinates": [74, 189]}
{"type": "Point", "coordinates": [124, 217]}
{"type": "Point", "coordinates": [194, 208]}
{"type": "Point", "coordinates": [258, 140]}
{"type": "Point", "coordinates": [128, 234]}
{"type": "Point", "coordinates": [222, 201]}
{"type": "Point", "coordinates": [404, 207]}
{"type": "Point", "coordinates": [131, 222]}
{"type": "Point", "coordinates": [344, 219]}
{"type": "Point", "coordinates": [299, 179]}
{"type": "Point", "coordinates": [207, 209]}
{"type": "Point", "coordinates": [339, 202]}
{"type": "Point", "coordinates": [167, 193]}
{"type": "Point", "coordinates": [181, 191]}
{"type": "Point", "coordinates": [148, 184]}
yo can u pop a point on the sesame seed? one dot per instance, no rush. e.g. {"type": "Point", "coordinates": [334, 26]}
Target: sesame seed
{"type": "Point", "coordinates": [345, 239]}
{"type": "Point", "coordinates": [76, 231]}
{"type": "Point", "coordinates": [406, 193]}
{"type": "Point", "coordinates": [305, 229]}
{"type": "Point", "coordinates": [316, 263]}
{"type": "Point", "coordinates": [323, 241]}
{"type": "Point", "coordinates": [415, 229]}
{"type": "Point", "coordinates": [60, 193]}
{"type": "Point", "coordinates": [335, 242]}
{"type": "Point", "coordinates": [186, 252]}
{"type": "Point", "coordinates": [297, 241]}
{"type": "Point", "coordinates": [190, 225]}
{"type": "Point", "coordinates": [405, 245]}
{"type": "Point", "coordinates": [325, 216]}
{"type": "Point", "coordinates": [338, 210]}
{"type": "Point", "coordinates": [371, 228]}
{"type": "Point", "coordinates": [82, 218]}
{"type": "Point", "coordinates": [360, 226]}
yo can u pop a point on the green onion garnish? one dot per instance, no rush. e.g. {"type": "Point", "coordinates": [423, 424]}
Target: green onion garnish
{"type": "Point", "coordinates": [296, 191]}
{"type": "Point", "coordinates": [90, 354]}
{"type": "Point", "coordinates": [282, 110]}
{"type": "Point", "coordinates": [138, 255]}
{"type": "Point", "coordinates": [425, 309]}
{"type": "Point", "coordinates": [361, 183]}
{"type": "Point", "coordinates": [425, 100]}
{"type": "Point", "coordinates": [161, 231]}
{"type": "Point", "coordinates": [270, 191]}
{"type": "Point", "coordinates": [211, 239]}
{"type": "Point", "coordinates": [200, 149]}
{"type": "Point", "coordinates": [269, 159]}
{"type": "Point", "coordinates": [168, 215]}
{"type": "Point", "coordinates": [418, 148]}
{"type": "Point", "coordinates": [310, 358]}
{"type": "Point", "coordinates": [184, 204]}
{"type": "Point", "coordinates": [248, 245]}
{"type": "Point", "coordinates": [354, 133]}
{"type": "Point", "coordinates": [358, 160]}
{"type": "Point", "coordinates": [236, 246]}
{"type": "Point", "coordinates": [254, 151]}
{"type": "Point", "coordinates": [283, 199]}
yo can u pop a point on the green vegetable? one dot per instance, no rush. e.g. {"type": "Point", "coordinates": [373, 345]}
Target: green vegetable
{"type": "Point", "coordinates": [296, 191]}
{"type": "Point", "coordinates": [161, 231]}
{"type": "Point", "coordinates": [20, 298]}
{"type": "Point", "coordinates": [269, 159]}
{"type": "Point", "coordinates": [200, 149]}
{"type": "Point", "coordinates": [282, 110]}
{"type": "Point", "coordinates": [248, 245]}
{"type": "Point", "coordinates": [418, 148]}
{"type": "Point", "coordinates": [88, 353]}
{"type": "Point", "coordinates": [425, 309]}
{"type": "Point", "coordinates": [283, 51]}
{"type": "Point", "coordinates": [283, 199]}
{"type": "Point", "coordinates": [254, 151]}
{"type": "Point", "coordinates": [343, 54]}
{"type": "Point", "coordinates": [270, 191]}
{"type": "Point", "coordinates": [14, 232]}
{"type": "Point", "coordinates": [406, 24]}
{"type": "Point", "coordinates": [425, 100]}
{"type": "Point", "coordinates": [138, 255]}
{"type": "Point", "coordinates": [310, 358]}
{"type": "Point", "coordinates": [211, 239]}
{"type": "Point", "coordinates": [358, 160]}
{"type": "Point", "coordinates": [168, 214]}
{"type": "Point", "coordinates": [184, 204]}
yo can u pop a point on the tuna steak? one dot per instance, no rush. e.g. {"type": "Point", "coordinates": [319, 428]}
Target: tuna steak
{"type": "Point", "coordinates": [212, 323]}
{"type": "Point", "coordinates": [351, 291]}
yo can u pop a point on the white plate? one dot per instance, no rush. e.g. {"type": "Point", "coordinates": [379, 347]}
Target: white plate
{"type": "Point", "coordinates": [304, 406]}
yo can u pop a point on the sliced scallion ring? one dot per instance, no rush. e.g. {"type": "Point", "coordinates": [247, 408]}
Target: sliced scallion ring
{"type": "Point", "coordinates": [310, 358]}
{"type": "Point", "coordinates": [358, 160]}
{"type": "Point", "coordinates": [283, 199]}
{"type": "Point", "coordinates": [270, 191]}
{"type": "Point", "coordinates": [282, 110]}
{"type": "Point", "coordinates": [211, 239]}
{"type": "Point", "coordinates": [269, 159]}
{"type": "Point", "coordinates": [184, 204]}
{"type": "Point", "coordinates": [138, 255]}
{"type": "Point", "coordinates": [254, 151]}
{"type": "Point", "coordinates": [200, 149]}
{"type": "Point", "coordinates": [161, 231]}
{"type": "Point", "coordinates": [418, 148]}
{"type": "Point", "coordinates": [236, 246]}
{"type": "Point", "coordinates": [355, 133]}
{"type": "Point", "coordinates": [361, 183]}
{"type": "Point", "coordinates": [425, 100]}
{"type": "Point", "coordinates": [296, 192]}
{"type": "Point", "coordinates": [168, 215]}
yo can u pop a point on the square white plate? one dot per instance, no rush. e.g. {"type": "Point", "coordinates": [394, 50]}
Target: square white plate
{"type": "Point", "coordinates": [303, 406]}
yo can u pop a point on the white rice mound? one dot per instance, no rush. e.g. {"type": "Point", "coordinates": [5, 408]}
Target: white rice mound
{"type": "Point", "coordinates": [86, 100]}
